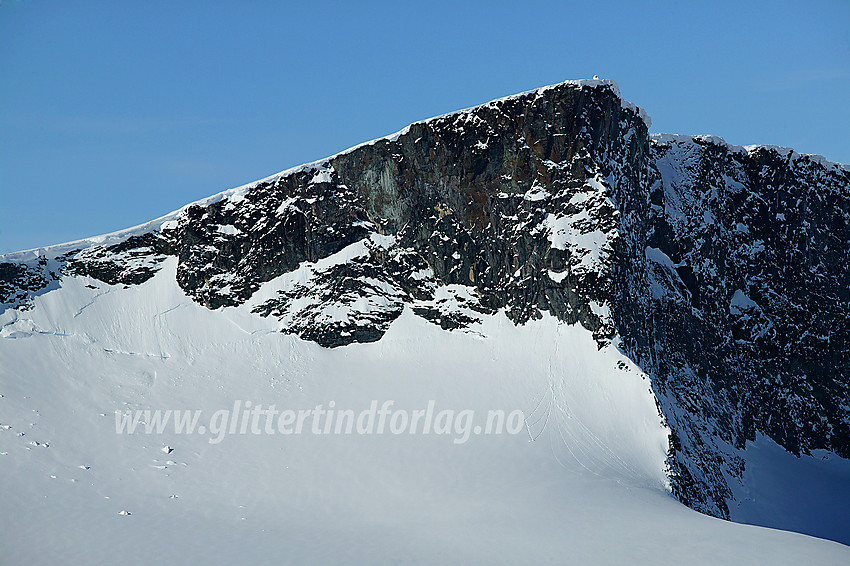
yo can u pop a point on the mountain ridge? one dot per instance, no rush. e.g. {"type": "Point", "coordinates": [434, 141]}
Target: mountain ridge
{"type": "Point", "coordinates": [123, 233]}
{"type": "Point", "coordinates": [557, 199]}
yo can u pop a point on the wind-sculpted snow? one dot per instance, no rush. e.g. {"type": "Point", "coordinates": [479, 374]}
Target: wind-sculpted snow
{"type": "Point", "coordinates": [720, 270]}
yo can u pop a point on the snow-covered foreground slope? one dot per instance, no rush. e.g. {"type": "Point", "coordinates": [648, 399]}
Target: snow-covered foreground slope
{"type": "Point", "coordinates": [590, 488]}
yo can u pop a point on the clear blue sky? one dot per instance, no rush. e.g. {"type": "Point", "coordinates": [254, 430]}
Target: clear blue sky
{"type": "Point", "coordinates": [113, 113]}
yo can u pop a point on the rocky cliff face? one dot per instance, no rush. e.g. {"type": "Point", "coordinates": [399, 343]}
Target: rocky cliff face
{"type": "Point", "coordinates": [749, 291]}
{"type": "Point", "coordinates": [722, 271]}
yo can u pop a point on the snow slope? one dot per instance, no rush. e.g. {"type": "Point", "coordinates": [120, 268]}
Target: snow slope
{"type": "Point", "coordinates": [584, 483]}
{"type": "Point", "coordinates": [809, 494]}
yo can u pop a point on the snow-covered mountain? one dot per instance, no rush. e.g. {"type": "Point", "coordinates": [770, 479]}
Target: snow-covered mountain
{"type": "Point", "coordinates": [669, 312]}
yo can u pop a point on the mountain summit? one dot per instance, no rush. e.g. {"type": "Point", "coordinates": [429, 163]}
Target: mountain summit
{"type": "Point", "coordinates": [719, 272]}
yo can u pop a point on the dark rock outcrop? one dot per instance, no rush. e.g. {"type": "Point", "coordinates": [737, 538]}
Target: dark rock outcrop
{"type": "Point", "coordinates": [750, 305]}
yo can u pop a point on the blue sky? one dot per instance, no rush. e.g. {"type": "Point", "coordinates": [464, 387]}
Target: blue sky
{"type": "Point", "coordinates": [114, 113]}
